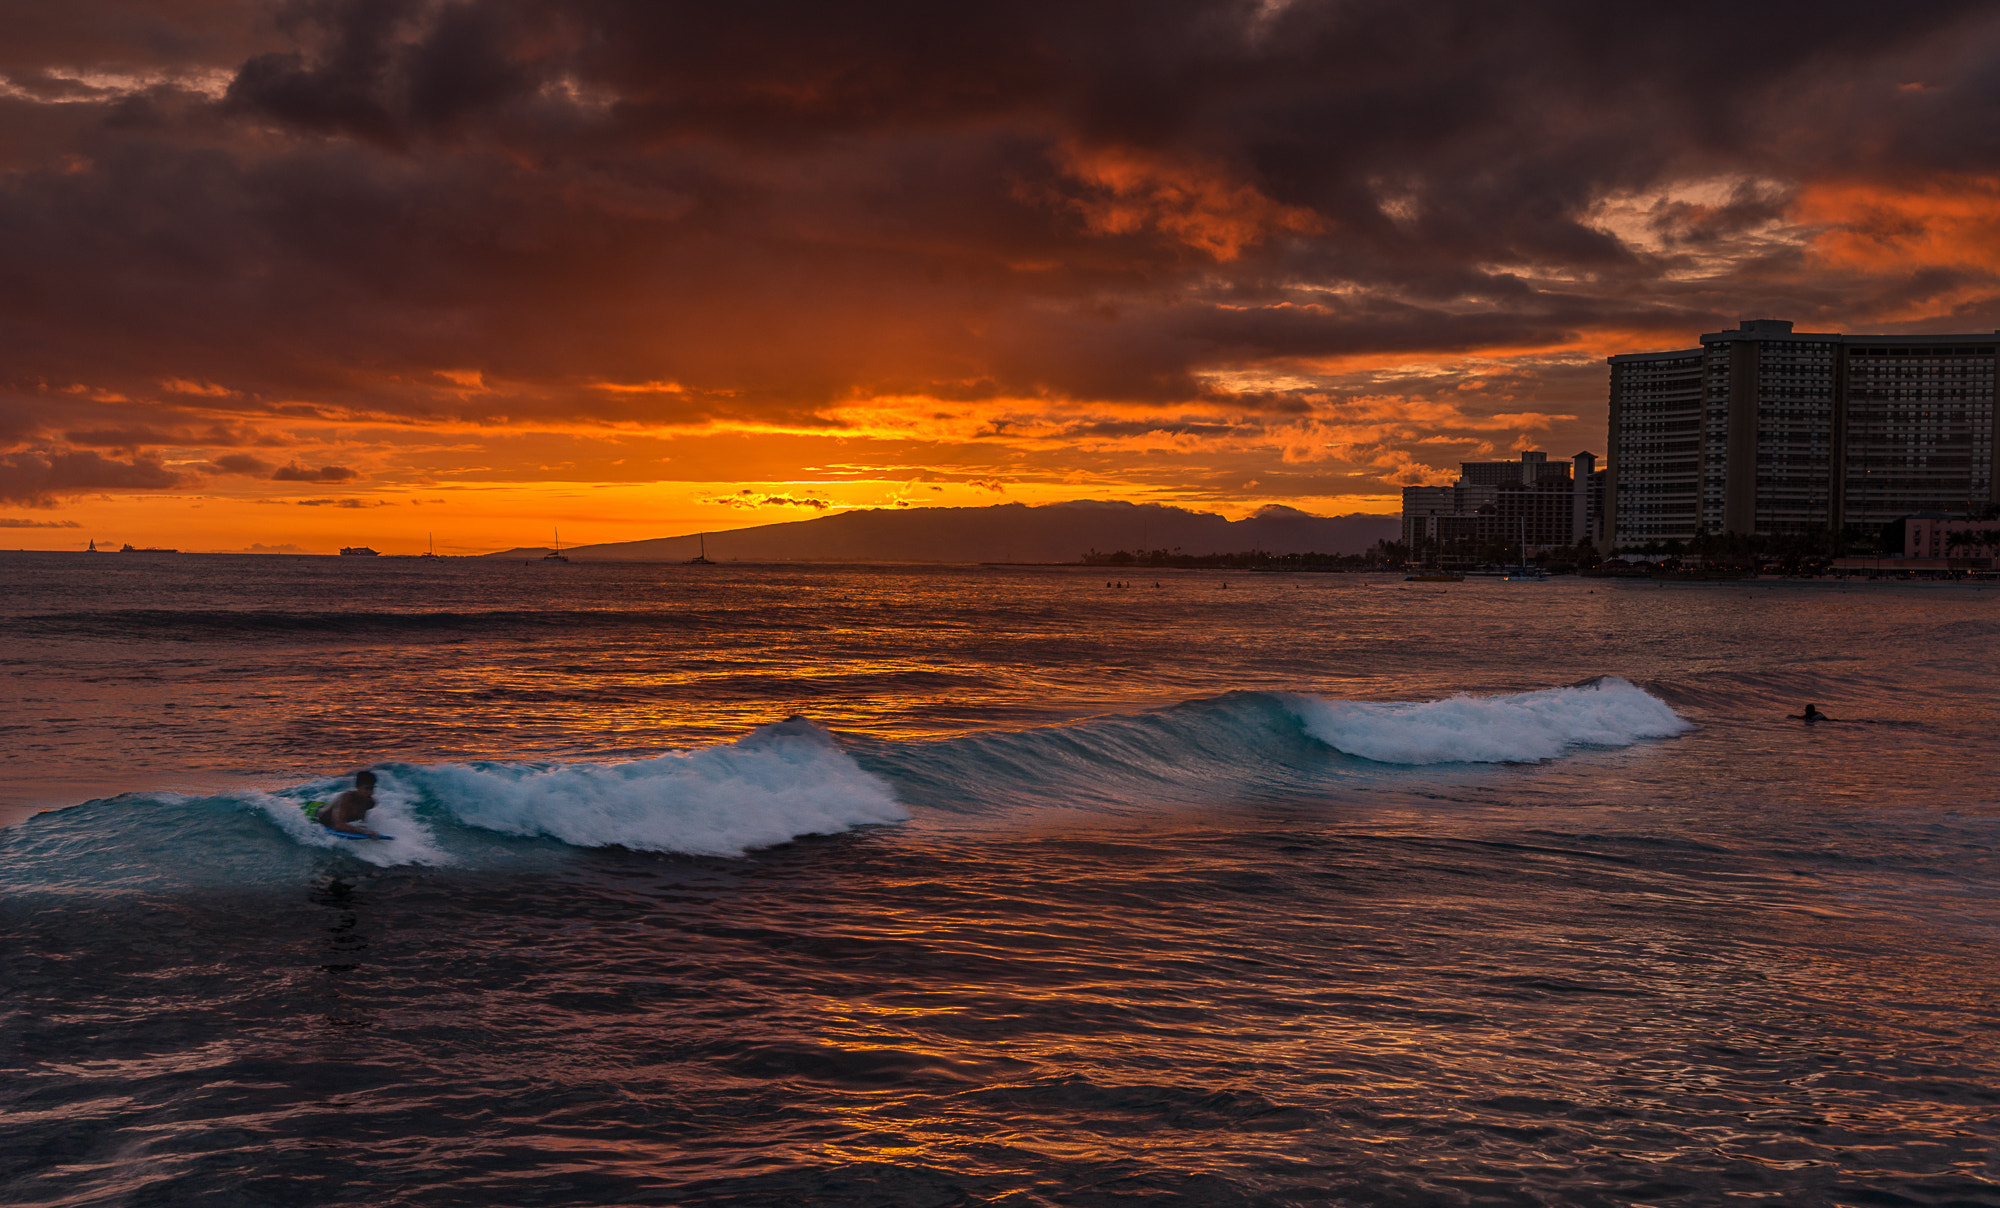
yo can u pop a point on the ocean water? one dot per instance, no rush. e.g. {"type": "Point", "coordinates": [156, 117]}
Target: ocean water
{"type": "Point", "coordinates": [981, 885]}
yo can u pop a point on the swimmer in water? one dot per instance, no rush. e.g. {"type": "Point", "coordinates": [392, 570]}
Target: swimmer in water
{"type": "Point", "coordinates": [1811, 714]}
{"type": "Point", "coordinates": [345, 812]}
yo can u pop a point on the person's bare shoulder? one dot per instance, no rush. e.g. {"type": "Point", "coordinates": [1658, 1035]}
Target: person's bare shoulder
{"type": "Point", "coordinates": [345, 807]}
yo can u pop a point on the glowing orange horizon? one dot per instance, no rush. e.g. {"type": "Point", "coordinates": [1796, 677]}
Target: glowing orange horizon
{"type": "Point", "coordinates": [487, 458]}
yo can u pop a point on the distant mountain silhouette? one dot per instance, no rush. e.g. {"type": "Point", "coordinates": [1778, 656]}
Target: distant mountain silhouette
{"type": "Point", "coordinates": [1011, 532]}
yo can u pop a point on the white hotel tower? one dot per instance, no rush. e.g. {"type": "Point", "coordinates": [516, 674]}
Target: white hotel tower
{"type": "Point", "coordinates": [1766, 430]}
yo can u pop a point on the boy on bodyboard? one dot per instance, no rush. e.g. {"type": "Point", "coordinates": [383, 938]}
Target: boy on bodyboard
{"type": "Point", "coordinates": [344, 813]}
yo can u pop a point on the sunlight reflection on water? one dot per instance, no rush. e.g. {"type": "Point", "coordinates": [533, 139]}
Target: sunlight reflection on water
{"type": "Point", "coordinates": [1191, 955]}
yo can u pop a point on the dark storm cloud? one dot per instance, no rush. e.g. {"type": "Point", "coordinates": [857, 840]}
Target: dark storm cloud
{"type": "Point", "coordinates": [753, 499]}
{"type": "Point", "coordinates": [37, 479]}
{"type": "Point", "coordinates": [241, 463]}
{"type": "Point", "coordinates": [120, 438]}
{"type": "Point", "coordinates": [294, 472]}
{"type": "Point", "coordinates": [137, 435]}
{"type": "Point", "coordinates": [321, 207]}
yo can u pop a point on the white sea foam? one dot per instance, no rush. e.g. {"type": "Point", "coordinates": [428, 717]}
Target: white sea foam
{"type": "Point", "coordinates": [1520, 728]}
{"type": "Point", "coordinates": [770, 787]}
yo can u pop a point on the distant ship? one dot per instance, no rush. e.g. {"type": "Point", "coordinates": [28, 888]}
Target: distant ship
{"type": "Point", "coordinates": [151, 549]}
{"type": "Point", "coordinates": [556, 554]}
{"type": "Point", "coordinates": [700, 559]}
{"type": "Point", "coordinates": [433, 551]}
{"type": "Point", "coordinates": [357, 551]}
{"type": "Point", "coordinates": [93, 547]}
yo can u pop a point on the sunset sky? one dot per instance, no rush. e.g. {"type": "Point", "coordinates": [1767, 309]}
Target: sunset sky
{"type": "Point", "coordinates": [293, 276]}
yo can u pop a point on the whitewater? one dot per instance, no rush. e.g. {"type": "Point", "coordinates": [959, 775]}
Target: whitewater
{"type": "Point", "coordinates": [748, 885]}
{"type": "Point", "coordinates": [793, 779]}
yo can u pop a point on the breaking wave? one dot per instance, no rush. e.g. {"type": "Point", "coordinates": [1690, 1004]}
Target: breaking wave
{"type": "Point", "coordinates": [795, 779]}
{"type": "Point", "coordinates": [772, 786]}
{"type": "Point", "coordinates": [1246, 744]}
{"type": "Point", "coordinates": [1525, 727]}
{"type": "Point", "coordinates": [777, 784]}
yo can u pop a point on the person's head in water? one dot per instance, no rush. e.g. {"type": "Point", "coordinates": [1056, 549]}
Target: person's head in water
{"type": "Point", "coordinates": [1812, 711]}
{"type": "Point", "coordinates": [365, 780]}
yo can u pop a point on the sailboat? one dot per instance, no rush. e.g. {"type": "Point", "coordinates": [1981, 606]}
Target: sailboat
{"type": "Point", "coordinates": [1526, 574]}
{"type": "Point", "coordinates": [556, 554]}
{"type": "Point", "coordinates": [433, 551]}
{"type": "Point", "coordinates": [700, 559]}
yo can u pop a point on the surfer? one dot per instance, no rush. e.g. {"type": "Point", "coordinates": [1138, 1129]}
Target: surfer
{"type": "Point", "coordinates": [345, 812]}
{"type": "Point", "coordinates": [1811, 714]}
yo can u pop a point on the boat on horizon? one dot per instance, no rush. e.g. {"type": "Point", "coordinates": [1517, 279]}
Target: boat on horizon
{"type": "Point", "coordinates": [556, 554]}
{"type": "Point", "coordinates": [357, 551]}
{"type": "Point", "coordinates": [432, 552]}
{"type": "Point", "coordinates": [700, 559]}
{"type": "Point", "coordinates": [150, 549]}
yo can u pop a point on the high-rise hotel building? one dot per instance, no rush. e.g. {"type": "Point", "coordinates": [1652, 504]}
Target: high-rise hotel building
{"type": "Point", "coordinates": [1766, 430]}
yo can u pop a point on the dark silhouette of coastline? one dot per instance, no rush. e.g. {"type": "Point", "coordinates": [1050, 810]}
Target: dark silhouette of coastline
{"type": "Point", "coordinates": [1007, 533]}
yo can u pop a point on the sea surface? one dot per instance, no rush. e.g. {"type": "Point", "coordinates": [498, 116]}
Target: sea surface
{"type": "Point", "coordinates": [747, 885]}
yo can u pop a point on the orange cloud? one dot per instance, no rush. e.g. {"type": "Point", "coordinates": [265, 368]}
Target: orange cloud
{"type": "Point", "coordinates": [204, 389]}
{"type": "Point", "coordinates": [1197, 203]}
{"type": "Point", "coordinates": [1944, 222]}
{"type": "Point", "coordinates": [639, 387]}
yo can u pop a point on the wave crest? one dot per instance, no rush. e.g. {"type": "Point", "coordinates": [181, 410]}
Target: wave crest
{"type": "Point", "coordinates": [772, 786]}
{"type": "Point", "coordinates": [1522, 727]}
